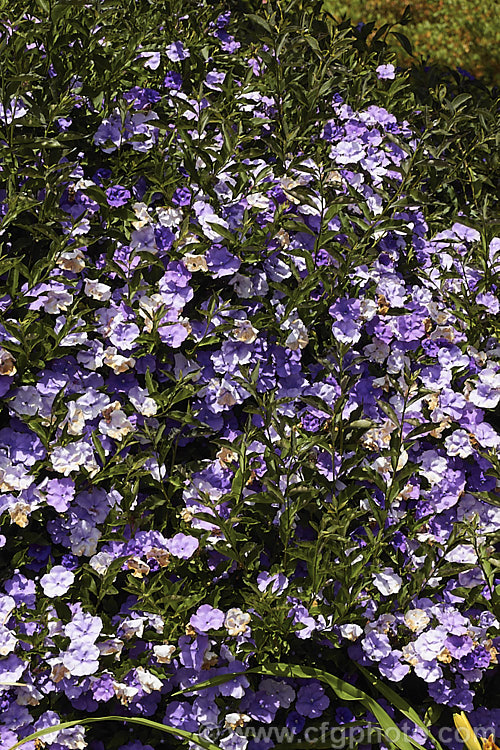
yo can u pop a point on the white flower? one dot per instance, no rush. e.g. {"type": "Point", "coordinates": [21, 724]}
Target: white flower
{"type": "Point", "coordinates": [115, 423]}
{"type": "Point", "coordinates": [19, 514]}
{"type": "Point", "coordinates": [382, 465]}
{"type": "Point", "coordinates": [97, 290]}
{"type": "Point", "coordinates": [68, 458]}
{"type": "Point", "coordinates": [117, 362]}
{"type": "Point", "coordinates": [13, 478]}
{"type": "Point", "coordinates": [140, 400]}
{"type": "Point", "coordinates": [367, 309]}
{"type": "Point", "coordinates": [57, 301]}
{"type": "Point", "coordinates": [244, 331]}
{"type": "Point", "coordinates": [138, 567]}
{"type": "Point", "coordinates": [164, 653]}
{"type": "Point", "coordinates": [84, 539]}
{"type": "Point", "coordinates": [124, 693]}
{"type": "Point", "coordinates": [170, 217]}
{"type": "Point", "coordinates": [195, 262]}
{"type": "Point", "coordinates": [101, 562]}
{"type": "Point", "coordinates": [8, 641]}
{"type": "Point", "coordinates": [387, 581]}
{"type": "Point", "coordinates": [236, 720]}
{"type": "Point", "coordinates": [74, 419]}
{"type": "Point", "coordinates": [72, 260]}
{"type": "Point", "coordinates": [298, 337]}
{"type": "Point", "coordinates": [236, 621]}
{"type": "Point", "coordinates": [142, 215]}
{"type": "Point", "coordinates": [133, 626]}
{"type": "Point", "coordinates": [148, 680]}
{"type": "Point", "coordinates": [258, 200]}
{"type": "Point", "coordinates": [111, 646]}
{"type": "Point", "coordinates": [438, 316]}
{"type": "Point", "coordinates": [72, 737]}
{"type": "Point", "coordinates": [28, 695]}
{"type": "Point", "coordinates": [351, 631]}
{"type": "Point", "coordinates": [416, 620]}
{"type": "Point", "coordinates": [7, 363]}
{"type": "Point", "coordinates": [377, 351]}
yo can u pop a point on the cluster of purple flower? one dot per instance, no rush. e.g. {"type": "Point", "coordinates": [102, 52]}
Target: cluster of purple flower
{"type": "Point", "coordinates": [184, 309]}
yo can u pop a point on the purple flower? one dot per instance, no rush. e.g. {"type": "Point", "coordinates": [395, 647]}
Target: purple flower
{"type": "Point", "coordinates": [11, 669]}
{"type": "Point", "coordinates": [431, 643]}
{"type": "Point", "coordinates": [275, 583]}
{"type": "Point", "coordinates": [477, 659]}
{"type": "Point", "coordinates": [176, 52]}
{"type": "Point", "coordinates": [141, 97]}
{"type": "Point", "coordinates": [173, 80]}
{"type": "Point", "coordinates": [183, 546]}
{"type": "Point", "coordinates": [181, 197]}
{"type": "Point", "coordinates": [83, 627]}
{"type": "Point", "coordinates": [103, 173]}
{"type": "Point", "coordinates": [173, 335]}
{"type": "Point", "coordinates": [458, 444]}
{"type": "Point", "coordinates": [221, 262]}
{"type": "Point", "coordinates": [82, 658]}
{"type": "Point", "coordinates": [22, 590]}
{"type": "Point", "coordinates": [311, 700]}
{"type": "Point", "coordinates": [124, 335]}
{"type": "Point", "coordinates": [386, 72]}
{"type": "Point", "coordinates": [348, 152]}
{"type": "Point", "coordinates": [117, 195]}
{"type": "Point", "coordinates": [214, 79]}
{"type": "Point", "coordinates": [283, 692]}
{"type": "Point", "coordinates": [57, 581]}
{"type": "Point", "coordinates": [295, 722]}
{"type": "Point", "coordinates": [180, 714]}
{"type": "Point", "coordinates": [263, 707]}
{"type": "Point", "coordinates": [392, 668]}
{"type": "Point", "coordinates": [490, 301]}
{"type": "Point", "coordinates": [346, 327]}
{"type": "Point", "coordinates": [234, 688]}
{"type": "Point", "coordinates": [64, 123]}
{"type": "Point", "coordinates": [376, 645]}
{"type": "Point", "coordinates": [228, 43]}
{"type": "Point", "coordinates": [40, 553]}
{"type": "Point", "coordinates": [343, 715]}
{"type": "Point", "coordinates": [153, 59]}
{"type": "Point", "coordinates": [192, 652]}
{"type": "Point", "coordinates": [207, 618]}
{"type": "Point", "coordinates": [102, 688]}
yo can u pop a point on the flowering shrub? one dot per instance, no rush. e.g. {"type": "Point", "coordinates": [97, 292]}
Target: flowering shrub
{"type": "Point", "coordinates": [249, 372]}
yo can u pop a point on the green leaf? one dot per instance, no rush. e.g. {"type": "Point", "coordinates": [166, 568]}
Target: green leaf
{"type": "Point", "coordinates": [129, 719]}
{"type": "Point", "coordinates": [260, 22]}
{"type": "Point", "coordinates": [388, 409]}
{"type": "Point", "coordinates": [98, 447]}
{"type": "Point", "coordinates": [400, 703]}
{"type": "Point", "coordinates": [404, 41]}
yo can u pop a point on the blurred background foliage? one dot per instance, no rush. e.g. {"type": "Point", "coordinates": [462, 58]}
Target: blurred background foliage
{"type": "Point", "coordinates": [455, 33]}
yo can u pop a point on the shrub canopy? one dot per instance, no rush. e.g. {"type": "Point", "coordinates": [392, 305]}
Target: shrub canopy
{"type": "Point", "coordinates": [249, 371]}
